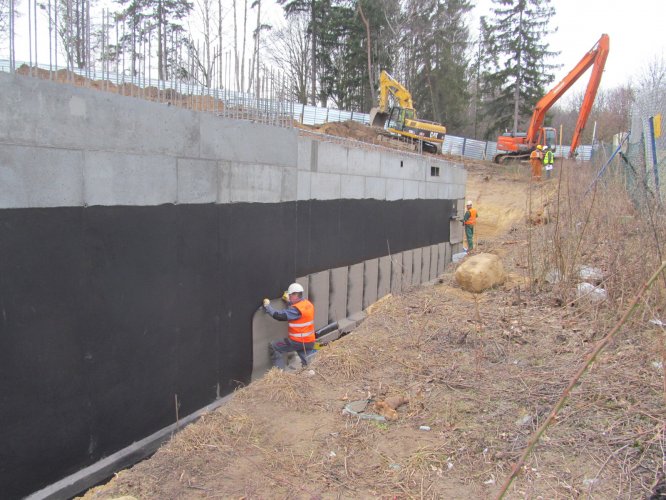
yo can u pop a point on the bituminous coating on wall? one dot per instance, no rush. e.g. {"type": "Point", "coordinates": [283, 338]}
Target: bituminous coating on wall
{"type": "Point", "coordinates": [138, 241]}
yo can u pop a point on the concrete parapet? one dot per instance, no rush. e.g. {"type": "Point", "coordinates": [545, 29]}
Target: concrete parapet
{"type": "Point", "coordinates": [332, 158]}
{"type": "Point", "coordinates": [352, 186]}
{"type": "Point", "coordinates": [370, 279]}
{"type": "Point", "coordinates": [375, 187]}
{"type": "Point", "coordinates": [237, 140]}
{"type": "Point", "coordinates": [411, 189]}
{"type": "Point", "coordinates": [324, 186]}
{"type": "Point", "coordinates": [384, 280]}
{"type": "Point", "coordinates": [363, 162]}
{"type": "Point", "coordinates": [128, 179]}
{"type": "Point", "coordinates": [337, 301]}
{"type": "Point", "coordinates": [40, 177]}
{"type": "Point", "coordinates": [197, 181]}
{"type": "Point", "coordinates": [255, 183]}
{"type": "Point", "coordinates": [318, 291]}
{"type": "Point", "coordinates": [355, 289]}
{"type": "Point", "coordinates": [304, 154]}
{"type": "Point", "coordinates": [395, 189]}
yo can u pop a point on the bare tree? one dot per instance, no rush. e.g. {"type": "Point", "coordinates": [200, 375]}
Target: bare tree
{"type": "Point", "coordinates": [290, 50]}
{"type": "Point", "coordinates": [206, 54]}
{"type": "Point", "coordinates": [239, 59]}
{"type": "Point", "coordinates": [256, 35]}
{"type": "Point", "coordinates": [653, 76]}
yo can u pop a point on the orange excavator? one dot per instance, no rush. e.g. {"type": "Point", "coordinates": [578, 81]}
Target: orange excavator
{"type": "Point", "coordinates": [518, 146]}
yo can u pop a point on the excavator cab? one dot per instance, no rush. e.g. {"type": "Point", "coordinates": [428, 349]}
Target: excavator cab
{"type": "Point", "coordinates": [547, 137]}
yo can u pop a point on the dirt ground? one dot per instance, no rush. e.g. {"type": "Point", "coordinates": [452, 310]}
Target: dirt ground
{"type": "Point", "coordinates": [480, 371]}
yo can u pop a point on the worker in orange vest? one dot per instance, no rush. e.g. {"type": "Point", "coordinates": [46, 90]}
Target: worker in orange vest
{"type": "Point", "coordinates": [469, 220]}
{"type": "Point", "coordinates": [300, 315]}
{"type": "Point", "coordinates": [536, 157]}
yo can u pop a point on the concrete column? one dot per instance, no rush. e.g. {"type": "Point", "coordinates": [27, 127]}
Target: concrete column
{"type": "Point", "coordinates": [318, 292]}
{"type": "Point", "coordinates": [384, 281]}
{"type": "Point", "coordinates": [396, 274]}
{"type": "Point", "coordinates": [441, 257]}
{"type": "Point", "coordinates": [434, 260]}
{"type": "Point", "coordinates": [370, 278]}
{"type": "Point", "coordinates": [417, 255]}
{"type": "Point", "coordinates": [425, 264]}
{"type": "Point", "coordinates": [337, 300]}
{"type": "Point", "coordinates": [407, 262]}
{"type": "Point", "coordinates": [355, 289]}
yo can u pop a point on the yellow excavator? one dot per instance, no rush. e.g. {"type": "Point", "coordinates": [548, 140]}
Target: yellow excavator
{"type": "Point", "coordinates": [399, 117]}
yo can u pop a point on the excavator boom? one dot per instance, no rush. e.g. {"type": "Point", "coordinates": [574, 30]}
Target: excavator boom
{"type": "Point", "coordinates": [519, 146]}
{"type": "Point", "coordinates": [595, 56]}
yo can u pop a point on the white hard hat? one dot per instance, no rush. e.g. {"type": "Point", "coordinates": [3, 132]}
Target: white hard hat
{"type": "Point", "coordinates": [469, 202]}
{"type": "Point", "coordinates": [545, 147]}
{"type": "Point", "coordinates": [295, 288]}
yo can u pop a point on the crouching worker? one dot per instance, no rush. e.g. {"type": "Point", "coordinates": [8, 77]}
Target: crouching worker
{"type": "Point", "coordinates": [300, 315]}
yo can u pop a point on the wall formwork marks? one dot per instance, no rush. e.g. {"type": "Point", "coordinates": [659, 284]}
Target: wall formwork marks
{"type": "Point", "coordinates": [137, 241]}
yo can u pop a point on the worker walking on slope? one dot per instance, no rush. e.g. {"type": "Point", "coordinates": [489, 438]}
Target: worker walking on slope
{"type": "Point", "coordinates": [469, 220]}
{"type": "Point", "coordinates": [300, 315]}
{"type": "Point", "coordinates": [548, 160]}
{"type": "Point", "coordinates": [535, 160]}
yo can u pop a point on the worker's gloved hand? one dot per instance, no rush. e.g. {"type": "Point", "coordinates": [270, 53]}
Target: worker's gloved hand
{"type": "Point", "coordinates": [285, 297]}
{"type": "Point", "coordinates": [266, 302]}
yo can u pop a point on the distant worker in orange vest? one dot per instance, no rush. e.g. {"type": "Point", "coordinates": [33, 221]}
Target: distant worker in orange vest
{"type": "Point", "coordinates": [300, 315]}
{"type": "Point", "coordinates": [536, 157]}
{"type": "Point", "coordinates": [469, 220]}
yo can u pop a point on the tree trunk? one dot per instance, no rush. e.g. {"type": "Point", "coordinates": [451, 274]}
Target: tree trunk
{"type": "Point", "coordinates": [367, 33]}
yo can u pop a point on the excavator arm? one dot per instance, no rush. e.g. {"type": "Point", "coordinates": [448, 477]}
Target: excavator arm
{"type": "Point", "coordinates": [597, 57]}
{"type": "Point", "coordinates": [389, 85]}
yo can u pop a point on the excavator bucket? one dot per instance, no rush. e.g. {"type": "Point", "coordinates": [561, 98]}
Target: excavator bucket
{"type": "Point", "coordinates": [378, 118]}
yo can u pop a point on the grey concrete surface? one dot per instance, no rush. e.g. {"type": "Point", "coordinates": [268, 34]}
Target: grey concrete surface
{"type": "Point", "coordinates": [434, 260]}
{"type": "Point", "coordinates": [318, 292]}
{"type": "Point", "coordinates": [129, 179]}
{"type": "Point", "coordinates": [370, 280]}
{"type": "Point", "coordinates": [337, 300]}
{"type": "Point", "coordinates": [407, 267]}
{"type": "Point", "coordinates": [40, 177]}
{"type": "Point", "coordinates": [197, 181]}
{"type": "Point", "coordinates": [416, 266]}
{"type": "Point", "coordinates": [384, 278]}
{"type": "Point", "coordinates": [265, 329]}
{"type": "Point", "coordinates": [355, 289]}
{"type": "Point", "coordinates": [129, 146]}
{"type": "Point", "coordinates": [425, 264]}
{"type": "Point", "coordinates": [396, 274]}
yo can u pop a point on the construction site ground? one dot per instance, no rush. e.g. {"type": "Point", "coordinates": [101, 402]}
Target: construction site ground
{"type": "Point", "coordinates": [480, 371]}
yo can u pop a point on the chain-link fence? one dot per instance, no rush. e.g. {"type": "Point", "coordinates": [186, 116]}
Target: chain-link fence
{"type": "Point", "coordinates": [644, 157]}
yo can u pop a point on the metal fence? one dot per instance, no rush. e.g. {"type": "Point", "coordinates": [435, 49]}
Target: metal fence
{"type": "Point", "coordinates": [644, 158]}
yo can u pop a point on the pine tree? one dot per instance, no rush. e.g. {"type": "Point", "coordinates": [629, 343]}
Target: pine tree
{"type": "Point", "coordinates": [516, 54]}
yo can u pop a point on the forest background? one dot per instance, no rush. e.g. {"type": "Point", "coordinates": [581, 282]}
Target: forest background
{"type": "Point", "coordinates": [479, 75]}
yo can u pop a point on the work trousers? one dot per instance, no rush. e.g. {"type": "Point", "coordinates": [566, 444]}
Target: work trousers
{"type": "Point", "coordinates": [278, 348]}
{"type": "Point", "coordinates": [469, 233]}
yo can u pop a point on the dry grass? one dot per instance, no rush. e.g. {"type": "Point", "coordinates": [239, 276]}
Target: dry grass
{"type": "Point", "coordinates": [481, 371]}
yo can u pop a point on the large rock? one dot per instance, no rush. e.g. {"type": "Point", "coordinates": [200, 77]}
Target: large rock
{"type": "Point", "coordinates": [480, 272]}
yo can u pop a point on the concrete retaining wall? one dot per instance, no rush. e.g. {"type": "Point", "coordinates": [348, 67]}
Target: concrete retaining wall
{"type": "Point", "coordinates": [138, 240]}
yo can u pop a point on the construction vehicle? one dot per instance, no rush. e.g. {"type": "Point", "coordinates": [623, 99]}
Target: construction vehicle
{"type": "Point", "coordinates": [399, 116]}
{"type": "Point", "coordinates": [512, 146]}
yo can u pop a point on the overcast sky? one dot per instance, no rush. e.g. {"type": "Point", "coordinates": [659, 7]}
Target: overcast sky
{"type": "Point", "coordinates": [636, 30]}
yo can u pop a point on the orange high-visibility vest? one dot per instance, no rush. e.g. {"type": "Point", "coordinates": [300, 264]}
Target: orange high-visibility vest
{"type": "Point", "coordinates": [302, 329]}
{"type": "Point", "coordinates": [472, 217]}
